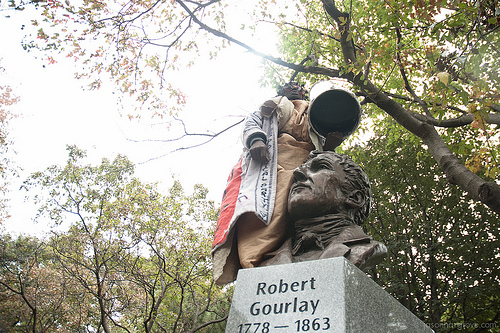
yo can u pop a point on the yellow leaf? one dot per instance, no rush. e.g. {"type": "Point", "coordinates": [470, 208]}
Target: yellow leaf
{"type": "Point", "coordinates": [443, 77]}
{"type": "Point", "coordinates": [474, 163]}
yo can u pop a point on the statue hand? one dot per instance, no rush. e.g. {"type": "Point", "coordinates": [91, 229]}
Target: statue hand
{"type": "Point", "coordinates": [259, 152]}
{"type": "Point", "coordinates": [333, 140]}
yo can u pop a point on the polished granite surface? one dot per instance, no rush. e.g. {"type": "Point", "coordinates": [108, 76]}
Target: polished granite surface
{"type": "Point", "coordinates": [328, 295]}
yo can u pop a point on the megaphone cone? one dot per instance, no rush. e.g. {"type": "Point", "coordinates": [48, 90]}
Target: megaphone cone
{"type": "Point", "coordinates": [333, 109]}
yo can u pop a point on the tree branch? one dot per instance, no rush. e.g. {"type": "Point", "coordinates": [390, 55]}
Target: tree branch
{"type": "Point", "coordinates": [408, 87]}
{"type": "Point", "coordinates": [457, 122]}
{"type": "Point", "coordinates": [342, 19]}
{"type": "Point", "coordinates": [211, 322]}
{"type": "Point", "coordinates": [306, 69]}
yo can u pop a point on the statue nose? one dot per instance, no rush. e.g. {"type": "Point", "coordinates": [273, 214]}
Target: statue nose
{"type": "Point", "coordinates": [299, 174]}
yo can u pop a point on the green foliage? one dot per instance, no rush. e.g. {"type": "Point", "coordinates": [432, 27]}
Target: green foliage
{"type": "Point", "coordinates": [435, 58]}
{"type": "Point", "coordinates": [436, 37]}
{"type": "Point", "coordinates": [443, 248]}
{"type": "Point", "coordinates": [33, 290]}
{"type": "Point", "coordinates": [133, 258]}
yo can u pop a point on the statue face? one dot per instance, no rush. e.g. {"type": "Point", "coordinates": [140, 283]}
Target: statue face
{"type": "Point", "coordinates": [316, 188]}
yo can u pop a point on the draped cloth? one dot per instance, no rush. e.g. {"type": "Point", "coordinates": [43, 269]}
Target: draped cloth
{"type": "Point", "coordinates": [253, 218]}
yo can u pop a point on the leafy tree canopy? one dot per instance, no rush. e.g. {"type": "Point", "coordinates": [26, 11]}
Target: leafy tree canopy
{"type": "Point", "coordinates": [121, 256]}
{"type": "Point", "coordinates": [430, 65]}
{"type": "Point", "coordinates": [443, 248]}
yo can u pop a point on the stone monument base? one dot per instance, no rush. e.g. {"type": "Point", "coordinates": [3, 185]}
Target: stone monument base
{"type": "Point", "coordinates": [328, 295]}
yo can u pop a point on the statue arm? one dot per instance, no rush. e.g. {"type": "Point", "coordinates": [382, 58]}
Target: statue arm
{"type": "Point", "coordinates": [252, 130]}
{"type": "Point", "coordinates": [254, 137]}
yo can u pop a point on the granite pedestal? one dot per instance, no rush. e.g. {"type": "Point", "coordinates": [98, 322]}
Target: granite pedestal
{"type": "Point", "coordinates": [328, 295]}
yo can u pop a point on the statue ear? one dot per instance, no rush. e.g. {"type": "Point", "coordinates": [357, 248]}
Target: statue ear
{"type": "Point", "coordinates": [355, 199]}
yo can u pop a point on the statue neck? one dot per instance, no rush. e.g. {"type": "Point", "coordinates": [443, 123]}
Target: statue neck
{"type": "Point", "coordinates": [318, 232]}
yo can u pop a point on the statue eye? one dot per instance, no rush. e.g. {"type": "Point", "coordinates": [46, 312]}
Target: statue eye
{"type": "Point", "coordinates": [323, 165]}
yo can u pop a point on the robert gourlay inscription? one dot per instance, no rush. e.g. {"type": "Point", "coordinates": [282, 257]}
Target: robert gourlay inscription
{"type": "Point", "coordinates": [285, 297]}
{"type": "Point", "coordinates": [282, 287]}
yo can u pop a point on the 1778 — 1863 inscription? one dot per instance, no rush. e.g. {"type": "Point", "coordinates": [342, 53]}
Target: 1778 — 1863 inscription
{"type": "Point", "coordinates": [298, 303]}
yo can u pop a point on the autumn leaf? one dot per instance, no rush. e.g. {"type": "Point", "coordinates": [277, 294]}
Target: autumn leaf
{"type": "Point", "coordinates": [443, 77]}
{"type": "Point", "coordinates": [478, 122]}
{"type": "Point", "coordinates": [474, 163]}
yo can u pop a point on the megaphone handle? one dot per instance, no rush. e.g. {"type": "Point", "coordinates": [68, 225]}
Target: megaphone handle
{"type": "Point", "coordinates": [333, 140]}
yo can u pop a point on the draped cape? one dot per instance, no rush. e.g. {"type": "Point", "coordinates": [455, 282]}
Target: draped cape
{"type": "Point", "coordinates": [251, 185]}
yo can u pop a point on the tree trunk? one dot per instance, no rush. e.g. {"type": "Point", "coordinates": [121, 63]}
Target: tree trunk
{"type": "Point", "coordinates": [102, 307]}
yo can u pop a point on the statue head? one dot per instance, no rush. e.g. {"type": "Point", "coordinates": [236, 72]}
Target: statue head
{"type": "Point", "coordinates": [293, 91]}
{"type": "Point", "coordinates": [329, 183]}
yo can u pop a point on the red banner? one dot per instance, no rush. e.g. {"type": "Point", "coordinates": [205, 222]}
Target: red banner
{"type": "Point", "coordinates": [228, 205]}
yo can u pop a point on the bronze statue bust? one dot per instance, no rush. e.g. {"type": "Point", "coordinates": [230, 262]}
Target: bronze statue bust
{"type": "Point", "coordinates": [328, 202]}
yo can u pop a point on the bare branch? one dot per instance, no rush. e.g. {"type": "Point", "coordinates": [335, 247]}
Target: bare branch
{"type": "Point", "coordinates": [405, 77]}
{"type": "Point", "coordinates": [358, 48]}
{"type": "Point", "coordinates": [457, 122]}
{"type": "Point", "coordinates": [202, 5]}
{"type": "Point", "coordinates": [211, 322]}
{"type": "Point", "coordinates": [211, 136]}
{"type": "Point", "coordinates": [306, 69]}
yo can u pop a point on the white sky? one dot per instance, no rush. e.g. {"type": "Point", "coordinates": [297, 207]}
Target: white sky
{"type": "Point", "coordinates": [55, 111]}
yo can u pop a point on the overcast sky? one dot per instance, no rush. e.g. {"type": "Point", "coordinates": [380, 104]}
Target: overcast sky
{"type": "Point", "coordinates": [55, 111]}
